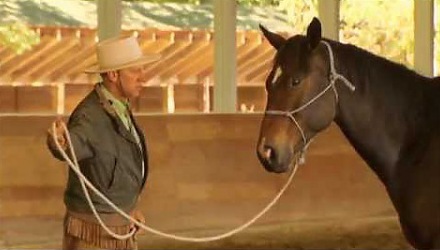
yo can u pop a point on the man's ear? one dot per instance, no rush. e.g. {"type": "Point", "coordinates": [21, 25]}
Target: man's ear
{"type": "Point", "coordinates": [274, 39]}
{"type": "Point", "coordinates": [112, 75]}
{"type": "Point", "coordinates": [314, 33]}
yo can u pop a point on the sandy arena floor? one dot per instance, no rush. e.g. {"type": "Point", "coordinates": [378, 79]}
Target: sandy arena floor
{"type": "Point", "coordinates": [363, 233]}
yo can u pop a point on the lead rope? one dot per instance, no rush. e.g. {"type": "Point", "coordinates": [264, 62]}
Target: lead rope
{"type": "Point", "coordinates": [85, 182]}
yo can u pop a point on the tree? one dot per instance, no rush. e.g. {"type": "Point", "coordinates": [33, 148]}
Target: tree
{"type": "Point", "coordinates": [13, 33]}
{"type": "Point", "coordinates": [18, 37]}
{"type": "Point", "coordinates": [363, 23]}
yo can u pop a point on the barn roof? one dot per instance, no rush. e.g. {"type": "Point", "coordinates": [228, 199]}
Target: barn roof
{"type": "Point", "coordinates": [137, 15]}
{"type": "Point", "coordinates": [187, 57]}
{"type": "Point", "coordinates": [181, 33]}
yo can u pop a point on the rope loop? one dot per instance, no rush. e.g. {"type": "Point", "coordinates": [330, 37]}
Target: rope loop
{"type": "Point", "coordinates": [86, 183]}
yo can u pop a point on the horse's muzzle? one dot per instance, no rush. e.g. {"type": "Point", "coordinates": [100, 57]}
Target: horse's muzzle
{"type": "Point", "coordinates": [270, 158]}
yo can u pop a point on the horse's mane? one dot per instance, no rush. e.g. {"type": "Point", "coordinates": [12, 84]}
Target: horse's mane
{"type": "Point", "coordinates": [402, 88]}
{"type": "Point", "coordinates": [372, 64]}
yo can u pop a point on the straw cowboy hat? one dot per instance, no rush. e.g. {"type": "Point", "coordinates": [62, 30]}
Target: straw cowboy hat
{"type": "Point", "coordinates": [119, 53]}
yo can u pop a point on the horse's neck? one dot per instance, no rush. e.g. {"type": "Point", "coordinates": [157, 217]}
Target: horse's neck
{"type": "Point", "coordinates": [374, 117]}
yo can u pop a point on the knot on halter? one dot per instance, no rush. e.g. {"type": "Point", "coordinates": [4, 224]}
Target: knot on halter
{"type": "Point", "coordinates": [333, 77]}
{"type": "Point", "coordinates": [333, 74]}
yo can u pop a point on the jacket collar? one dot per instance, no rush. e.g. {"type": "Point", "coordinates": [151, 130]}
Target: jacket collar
{"type": "Point", "coordinates": [112, 112]}
{"type": "Point", "coordinates": [104, 102]}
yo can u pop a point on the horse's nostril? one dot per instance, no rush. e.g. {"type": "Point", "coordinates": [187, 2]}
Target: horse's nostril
{"type": "Point", "coordinates": [270, 154]}
{"type": "Point", "coordinates": [266, 153]}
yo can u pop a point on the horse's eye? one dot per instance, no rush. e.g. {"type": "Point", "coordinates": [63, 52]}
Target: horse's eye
{"type": "Point", "coordinates": [294, 82]}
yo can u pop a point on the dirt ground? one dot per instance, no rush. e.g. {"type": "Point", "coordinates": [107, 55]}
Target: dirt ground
{"type": "Point", "coordinates": [363, 233]}
{"type": "Point", "coordinates": [367, 233]}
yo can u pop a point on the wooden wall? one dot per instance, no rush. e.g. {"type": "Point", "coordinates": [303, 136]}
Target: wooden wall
{"type": "Point", "coordinates": [185, 98]}
{"type": "Point", "coordinates": [204, 174]}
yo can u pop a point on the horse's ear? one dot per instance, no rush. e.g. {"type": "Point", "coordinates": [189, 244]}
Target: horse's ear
{"type": "Point", "coordinates": [314, 33]}
{"type": "Point", "coordinates": [274, 39]}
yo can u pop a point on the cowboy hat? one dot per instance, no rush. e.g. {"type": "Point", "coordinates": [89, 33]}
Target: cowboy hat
{"type": "Point", "coordinates": [119, 53]}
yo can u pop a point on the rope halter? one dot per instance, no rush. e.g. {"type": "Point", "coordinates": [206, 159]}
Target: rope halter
{"type": "Point", "coordinates": [333, 77]}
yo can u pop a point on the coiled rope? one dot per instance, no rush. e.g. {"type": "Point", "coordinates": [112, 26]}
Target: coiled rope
{"type": "Point", "coordinates": [86, 183]}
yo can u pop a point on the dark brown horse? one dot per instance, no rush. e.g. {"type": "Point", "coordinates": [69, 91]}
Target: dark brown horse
{"type": "Point", "coordinates": [390, 115]}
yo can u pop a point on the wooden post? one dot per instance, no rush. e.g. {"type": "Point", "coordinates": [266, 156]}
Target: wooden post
{"type": "Point", "coordinates": [328, 11]}
{"type": "Point", "coordinates": [424, 37]}
{"type": "Point", "coordinates": [225, 66]}
{"type": "Point", "coordinates": [109, 18]}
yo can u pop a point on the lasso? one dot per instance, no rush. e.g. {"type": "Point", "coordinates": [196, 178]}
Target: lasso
{"type": "Point", "coordinates": [84, 182]}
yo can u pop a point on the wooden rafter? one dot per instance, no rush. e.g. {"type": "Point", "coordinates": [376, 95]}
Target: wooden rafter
{"type": "Point", "coordinates": [79, 69]}
{"type": "Point", "coordinates": [201, 40]}
{"type": "Point", "coordinates": [199, 50]}
{"type": "Point", "coordinates": [251, 41]}
{"type": "Point", "coordinates": [204, 63]}
{"type": "Point", "coordinates": [259, 73]}
{"type": "Point", "coordinates": [261, 55]}
{"type": "Point", "coordinates": [187, 56]}
{"type": "Point", "coordinates": [198, 65]}
{"type": "Point", "coordinates": [245, 50]}
{"type": "Point", "coordinates": [28, 57]}
{"type": "Point", "coordinates": [68, 66]}
{"type": "Point", "coordinates": [6, 55]}
{"type": "Point", "coordinates": [181, 43]}
{"type": "Point", "coordinates": [162, 40]}
{"type": "Point", "coordinates": [72, 58]}
{"type": "Point", "coordinates": [54, 64]}
{"type": "Point", "coordinates": [45, 63]}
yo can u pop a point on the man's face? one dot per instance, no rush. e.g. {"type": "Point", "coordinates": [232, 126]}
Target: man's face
{"type": "Point", "coordinates": [131, 80]}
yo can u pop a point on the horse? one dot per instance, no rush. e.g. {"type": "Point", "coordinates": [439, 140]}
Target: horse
{"type": "Point", "coordinates": [390, 115]}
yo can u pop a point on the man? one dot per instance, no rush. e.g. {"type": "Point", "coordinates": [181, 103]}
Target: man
{"type": "Point", "coordinates": [109, 146]}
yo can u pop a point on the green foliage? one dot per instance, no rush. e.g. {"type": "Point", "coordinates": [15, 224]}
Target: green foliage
{"type": "Point", "coordinates": [385, 28]}
{"type": "Point", "coordinates": [18, 37]}
{"type": "Point", "coordinates": [380, 27]}
{"type": "Point", "coordinates": [259, 2]}
{"type": "Point", "coordinates": [300, 13]}
{"type": "Point", "coordinates": [240, 2]}
{"type": "Point", "coordinates": [244, 2]}
{"type": "Point", "coordinates": [166, 1]}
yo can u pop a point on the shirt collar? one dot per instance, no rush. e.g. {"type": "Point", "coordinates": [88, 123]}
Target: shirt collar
{"type": "Point", "coordinates": [120, 106]}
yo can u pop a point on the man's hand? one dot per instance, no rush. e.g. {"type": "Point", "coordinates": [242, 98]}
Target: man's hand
{"type": "Point", "coordinates": [137, 215]}
{"type": "Point", "coordinates": [59, 135]}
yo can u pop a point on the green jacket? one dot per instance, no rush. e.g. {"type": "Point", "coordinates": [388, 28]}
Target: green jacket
{"type": "Point", "coordinates": [108, 155]}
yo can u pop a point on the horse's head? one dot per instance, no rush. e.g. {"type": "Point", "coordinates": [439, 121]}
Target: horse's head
{"type": "Point", "coordinates": [299, 104]}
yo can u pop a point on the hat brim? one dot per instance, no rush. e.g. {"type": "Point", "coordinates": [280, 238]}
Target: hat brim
{"type": "Point", "coordinates": [141, 61]}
